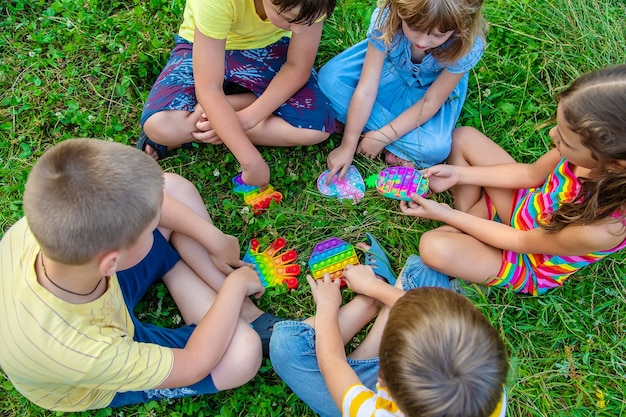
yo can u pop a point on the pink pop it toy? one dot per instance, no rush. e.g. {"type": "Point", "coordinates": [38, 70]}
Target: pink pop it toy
{"type": "Point", "coordinates": [331, 256]}
{"type": "Point", "coordinates": [350, 187]}
{"type": "Point", "coordinates": [274, 268]}
{"type": "Point", "coordinates": [258, 200]}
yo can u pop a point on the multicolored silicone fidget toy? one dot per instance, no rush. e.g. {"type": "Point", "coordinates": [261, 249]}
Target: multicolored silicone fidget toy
{"type": "Point", "coordinates": [274, 268]}
{"type": "Point", "coordinates": [258, 201]}
{"type": "Point", "coordinates": [350, 187]}
{"type": "Point", "coordinates": [400, 182]}
{"type": "Point", "coordinates": [331, 256]}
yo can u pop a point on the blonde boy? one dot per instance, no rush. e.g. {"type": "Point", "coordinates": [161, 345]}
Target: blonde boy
{"type": "Point", "coordinates": [102, 223]}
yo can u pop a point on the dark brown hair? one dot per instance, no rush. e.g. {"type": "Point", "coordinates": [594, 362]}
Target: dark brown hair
{"type": "Point", "coordinates": [594, 107]}
{"type": "Point", "coordinates": [310, 10]}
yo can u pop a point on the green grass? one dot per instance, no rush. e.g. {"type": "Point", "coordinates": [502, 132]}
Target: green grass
{"type": "Point", "coordinates": [84, 69]}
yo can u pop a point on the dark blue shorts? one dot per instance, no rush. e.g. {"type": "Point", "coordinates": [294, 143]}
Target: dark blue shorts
{"type": "Point", "coordinates": [134, 283]}
{"type": "Point", "coordinates": [252, 69]}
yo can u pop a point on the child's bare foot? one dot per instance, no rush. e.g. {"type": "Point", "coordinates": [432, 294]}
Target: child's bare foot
{"type": "Point", "coordinates": [395, 160]}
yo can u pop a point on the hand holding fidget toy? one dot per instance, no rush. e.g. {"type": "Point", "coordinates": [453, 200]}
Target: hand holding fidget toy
{"type": "Point", "coordinates": [331, 256]}
{"type": "Point", "coordinates": [273, 267]}
{"type": "Point", "coordinates": [400, 182]}
{"type": "Point", "coordinates": [259, 201]}
{"type": "Point", "coordinates": [350, 187]}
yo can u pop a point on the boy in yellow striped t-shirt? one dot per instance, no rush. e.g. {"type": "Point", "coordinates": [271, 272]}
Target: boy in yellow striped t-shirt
{"type": "Point", "coordinates": [430, 353]}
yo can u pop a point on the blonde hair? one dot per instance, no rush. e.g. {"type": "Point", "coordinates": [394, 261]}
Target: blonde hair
{"type": "Point", "coordinates": [439, 356]}
{"type": "Point", "coordinates": [86, 196]}
{"type": "Point", "coordinates": [464, 17]}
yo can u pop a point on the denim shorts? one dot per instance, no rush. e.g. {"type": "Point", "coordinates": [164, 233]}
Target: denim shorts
{"type": "Point", "coordinates": [134, 283]}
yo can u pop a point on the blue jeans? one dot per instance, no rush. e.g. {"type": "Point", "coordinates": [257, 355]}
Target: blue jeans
{"type": "Point", "coordinates": [292, 348]}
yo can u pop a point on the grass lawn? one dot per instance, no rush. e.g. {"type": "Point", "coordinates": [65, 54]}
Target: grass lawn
{"type": "Point", "coordinates": [83, 69]}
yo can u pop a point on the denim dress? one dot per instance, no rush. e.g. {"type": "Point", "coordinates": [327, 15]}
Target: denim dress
{"type": "Point", "coordinates": [402, 84]}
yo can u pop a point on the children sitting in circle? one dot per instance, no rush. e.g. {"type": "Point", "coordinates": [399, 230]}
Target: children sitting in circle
{"type": "Point", "coordinates": [531, 226]}
{"type": "Point", "coordinates": [264, 47]}
{"type": "Point", "coordinates": [403, 88]}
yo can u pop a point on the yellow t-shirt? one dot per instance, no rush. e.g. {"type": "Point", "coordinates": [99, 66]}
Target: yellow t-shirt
{"type": "Point", "coordinates": [233, 20]}
{"type": "Point", "coordinates": [64, 356]}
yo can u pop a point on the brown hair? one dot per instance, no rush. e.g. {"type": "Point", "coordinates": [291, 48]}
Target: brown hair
{"type": "Point", "coordinates": [464, 17]}
{"type": "Point", "coordinates": [594, 107]}
{"type": "Point", "coordinates": [310, 10]}
{"type": "Point", "coordinates": [86, 196]}
{"type": "Point", "coordinates": [439, 356]}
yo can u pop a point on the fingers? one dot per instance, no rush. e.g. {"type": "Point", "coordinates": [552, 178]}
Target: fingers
{"type": "Point", "coordinates": [331, 174]}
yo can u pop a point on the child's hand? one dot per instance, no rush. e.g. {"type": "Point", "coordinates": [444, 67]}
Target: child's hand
{"type": "Point", "coordinates": [372, 143]}
{"type": "Point", "coordinates": [224, 253]}
{"type": "Point", "coordinates": [441, 177]}
{"type": "Point", "coordinates": [339, 160]}
{"type": "Point", "coordinates": [256, 174]}
{"type": "Point", "coordinates": [205, 132]}
{"type": "Point", "coordinates": [424, 208]}
{"type": "Point", "coordinates": [249, 279]}
{"type": "Point", "coordinates": [326, 292]}
{"type": "Point", "coordinates": [360, 279]}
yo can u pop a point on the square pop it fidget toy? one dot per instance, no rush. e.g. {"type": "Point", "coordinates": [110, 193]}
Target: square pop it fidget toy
{"type": "Point", "coordinates": [259, 201]}
{"type": "Point", "coordinates": [331, 256]}
{"type": "Point", "coordinates": [273, 267]}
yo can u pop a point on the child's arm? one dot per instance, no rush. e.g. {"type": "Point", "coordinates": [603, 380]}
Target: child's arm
{"type": "Point", "coordinates": [208, 71]}
{"type": "Point", "coordinates": [213, 333]}
{"type": "Point", "coordinates": [416, 115]}
{"type": "Point", "coordinates": [359, 111]}
{"type": "Point", "coordinates": [511, 176]}
{"type": "Point", "coordinates": [292, 76]}
{"type": "Point", "coordinates": [573, 240]}
{"type": "Point", "coordinates": [361, 279]}
{"type": "Point", "coordinates": [330, 352]}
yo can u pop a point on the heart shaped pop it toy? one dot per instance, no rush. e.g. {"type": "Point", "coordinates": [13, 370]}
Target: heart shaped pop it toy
{"type": "Point", "coordinates": [331, 256]}
{"type": "Point", "coordinates": [400, 182]}
{"type": "Point", "coordinates": [274, 268]}
{"type": "Point", "coordinates": [258, 200]}
{"type": "Point", "coordinates": [350, 187]}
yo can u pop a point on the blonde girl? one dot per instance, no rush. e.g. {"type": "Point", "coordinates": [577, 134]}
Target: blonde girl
{"type": "Point", "coordinates": [403, 87]}
{"type": "Point", "coordinates": [530, 226]}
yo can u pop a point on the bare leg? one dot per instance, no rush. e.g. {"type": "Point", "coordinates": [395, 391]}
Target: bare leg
{"type": "Point", "coordinates": [192, 252]}
{"type": "Point", "coordinates": [194, 297]}
{"type": "Point", "coordinates": [172, 128]}
{"type": "Point", "coordinates": [275, 131]}
{"type": "Point", "coordinates": [471, 148]}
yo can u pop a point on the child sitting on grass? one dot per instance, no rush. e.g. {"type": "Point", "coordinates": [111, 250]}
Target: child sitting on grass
{"type": "Point", "coordinates": [102, 224]}
{"type": "Point", "coordinates": [429, 353]}
{"type": "Point", "coordinates": [266, 47]}
{"type": "Point", "coordinates": [531, 226]}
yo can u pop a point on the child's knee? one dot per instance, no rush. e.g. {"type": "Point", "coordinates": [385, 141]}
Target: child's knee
{"type": "Point", "coordinates": [433, 249]}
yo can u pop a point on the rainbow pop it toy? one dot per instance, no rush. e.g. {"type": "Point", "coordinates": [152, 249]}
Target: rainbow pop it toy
{"type": "Point", "coordinates": [350, 187]}
{"type": "Point", "coordinates": [400, 182]}
{"type": "Point", "coordinates": [274, 268]}
{"type": "Point", "coordinates": [331, 256]}
{"type": "Point", "coordinates": [258, 200]}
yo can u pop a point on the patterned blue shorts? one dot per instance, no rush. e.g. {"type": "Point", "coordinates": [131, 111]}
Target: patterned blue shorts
{"type": "Point", "coordinates": [252, 69]}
